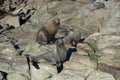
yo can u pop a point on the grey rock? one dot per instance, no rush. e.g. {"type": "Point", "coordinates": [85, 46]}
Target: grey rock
{"type": "Point", "coordinates": [1, 76]}
{"type": "Point", "coordinates": [14, 64]}
{"type": "Point", "coordinates": [16, 76]}
{"type": "Point", "coordinates": [97, 5]}
{"type": "Point", "coordinates": [98, 75]}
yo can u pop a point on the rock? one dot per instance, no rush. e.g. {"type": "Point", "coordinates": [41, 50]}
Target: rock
{"type": "Point", "coordinates": [85, 47]}
{"type": "Point", "coordinates": [110, 56]}
{"type": "Point", "coordinates": [9, 52]}
{"type": "Point", "coordinates": [104, 40]}
{"type": "Point", "coordinates": [112, 22]}
{"type": "Point", "coordinates": [85, 1]}
{"type": "Point", "coordinates": [66, 77]}
{"type": "Point", "coordinates": [14, 64]}
{"type": "Point", "coordinates": [108, 49]}
{"type": "Point", "coordinates": [7, 49]}
{"type": "Point", "coordinates": [16, 76]}
{"type": "Point", "coordinates": [1, 76]}
{"type": "Point", "coordinates": [98, 75]}
{"type": "Point", "coordinates": [13, 21]}
{"type": "Point", "coordinates": [118, 77]}
{"type": "Point", "coordinates": [45, 71]}
{"type": "Point", "coordinates": [82, 52]}
{"type": "Point", "coordinates": [115, 71]}
{"type": "Point", "coordinates": [34, 49]}
{"type": "Point", "coordinates": [79, 65]}
{"type": "Point", "coordinates": [82, 71]}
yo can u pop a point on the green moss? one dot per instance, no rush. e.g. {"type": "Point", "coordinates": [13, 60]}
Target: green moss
{"type": "Point", "coordinates": [116, 58]}
{"type": "Point", "coordinates": [93, 56]}
{"type": "Point", "coordinates": [32, 48]}
{"type": "Point", "coordinates": [93, 45]}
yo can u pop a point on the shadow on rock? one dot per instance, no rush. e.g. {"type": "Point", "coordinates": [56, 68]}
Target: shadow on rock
{"type": "Point", "coordinates": [69, 53]}
{"type": "Point", "coordinates": [4, 74]}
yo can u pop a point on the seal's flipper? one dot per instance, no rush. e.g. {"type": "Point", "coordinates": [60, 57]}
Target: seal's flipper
{"type": "Point", "coordinates": [59, 67]}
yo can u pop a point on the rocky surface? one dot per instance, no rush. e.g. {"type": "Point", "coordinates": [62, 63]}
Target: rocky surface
{"type": "Point", "coordinates": [97, 58]}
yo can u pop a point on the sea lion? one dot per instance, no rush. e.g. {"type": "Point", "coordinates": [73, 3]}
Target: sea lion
{"type": "Point", "coordinates": [57, 56]}
{"type": "Point", "coordinates": [73, 36]}
{"type": "Point", "coordinates": [47, 33]}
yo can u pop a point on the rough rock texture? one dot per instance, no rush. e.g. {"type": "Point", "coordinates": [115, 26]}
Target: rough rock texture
{"type": "Point", "coordinates": [97, 75]}
{"type": "Point", "coordinates": [16, 76]}
{"type": "Point", "coordinates": [97, 58]}
{"type": "Point", "coordinates": [1, 76]}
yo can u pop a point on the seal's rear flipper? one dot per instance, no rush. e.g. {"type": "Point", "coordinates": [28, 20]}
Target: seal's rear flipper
{"type": "Point", "coordinates": [59, 67]}
{"type": "Point", "coordinates": [35, 64]}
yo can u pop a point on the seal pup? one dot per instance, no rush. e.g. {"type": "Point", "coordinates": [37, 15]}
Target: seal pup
{"type": "Point", "coordinates": [73, 36]}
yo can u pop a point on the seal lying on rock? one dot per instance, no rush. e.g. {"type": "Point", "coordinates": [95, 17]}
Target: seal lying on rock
{"type": "Point", "coordinates": [56, 56]}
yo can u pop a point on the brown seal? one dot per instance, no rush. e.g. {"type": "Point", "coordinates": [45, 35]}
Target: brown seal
{"type": "Point", "coordinates": [47, 33]}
